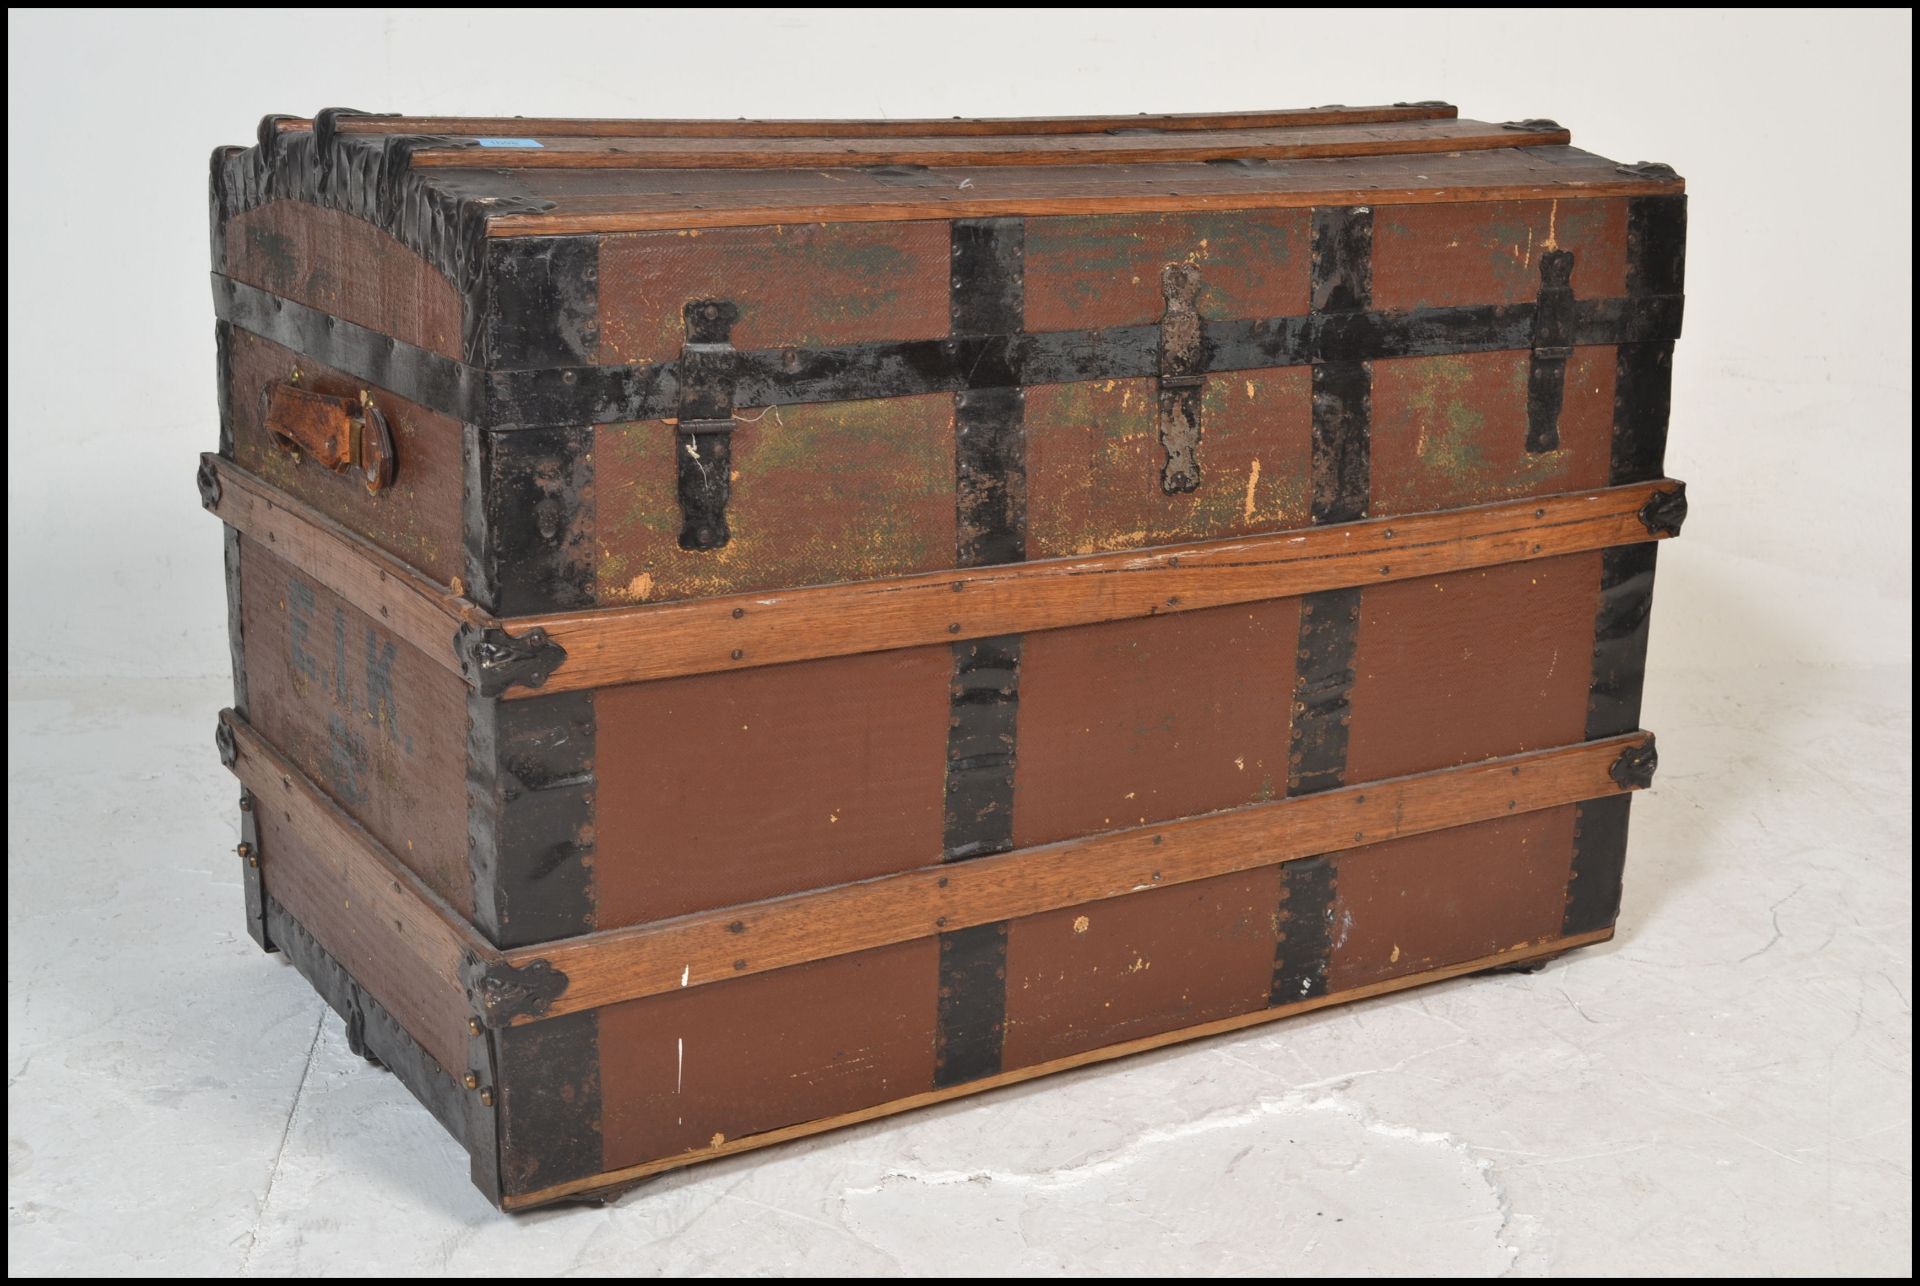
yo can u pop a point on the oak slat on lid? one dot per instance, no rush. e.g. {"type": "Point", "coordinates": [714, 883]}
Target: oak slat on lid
{"type": "Point", "coordinates": [952, 127]}
{"type": "Point", "coordinates": [601, 201]}
{"type": "Point", "coordinates": [809, 153]}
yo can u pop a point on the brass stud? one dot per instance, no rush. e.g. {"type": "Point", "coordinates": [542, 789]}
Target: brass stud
{"type": "Point", "coordinates": [486, 1098]}
{"type": "Point", "coordinates": [474, 1026]}
{"type": "Point", "coordinates": [471, 1081]}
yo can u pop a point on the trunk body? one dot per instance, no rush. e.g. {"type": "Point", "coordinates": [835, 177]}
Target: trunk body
{"type": "Point", "coordinates": [726, 647]}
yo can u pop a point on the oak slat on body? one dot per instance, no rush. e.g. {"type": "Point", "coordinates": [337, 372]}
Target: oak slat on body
{"type": "Point", "coordinates": [629, 644]}
{"type": "Point", "coordinates": [727, 1147]}
{"type": "Point", "coordinates": [927, 127]}
{"type": "Point", "coordinates": [416, 609]}
{"type": "Point", "coordinates": [371, 913]}
{"type": "Point", "coordinates": [1391, 139]}
{"type": "Point", "coordinates": [645, 960]}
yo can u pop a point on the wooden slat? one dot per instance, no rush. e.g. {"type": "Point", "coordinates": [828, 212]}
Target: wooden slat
{"type": "Point", "coordinates": [415, 608]}
{"type": "Point", "coordinates": [694, 950]}
{"type": "Point", "coordinates": [928, 127]}
{"type": "Point", "coordinates": [607, 201]}
{"type": "Point", "coordinates": [627, 644]}
{"type": "Point", "coordinates": [370, 912]}
{"type": "Point", "coordinates": [728, 1147]}
{"type": "Point", "coordinates": [1397, 139]}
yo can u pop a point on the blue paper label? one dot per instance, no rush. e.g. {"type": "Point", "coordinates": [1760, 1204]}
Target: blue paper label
{"type": "Point", "coordinates": [510, 142]}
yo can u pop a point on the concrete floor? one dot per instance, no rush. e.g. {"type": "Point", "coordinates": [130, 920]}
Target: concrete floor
{"type": "Point", "coordinates": [1724, 1089]}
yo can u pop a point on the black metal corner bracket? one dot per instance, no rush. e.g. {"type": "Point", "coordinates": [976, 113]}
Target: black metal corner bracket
{"type": "Point", "coordinates": [1552, 346]}
{"type": "Point", "coordinates": [229, 748]}
{"type": "Point", "coordinates": [500, 992]}
{"type": "Point", "coordinates": [1665, 511]}
{"type": "Point", "coordinates": [1634, 769]}
{"type": "Point", "coordinates": [704, 438]}
{"type": "Point", "coordinates": [494, 660]}
{"type": "Point", "coordinates": [1534, 125]}
{"type": "Point", "coordinates": [208, 479]}
{"type": "Point", "coordinates": [1182, 363]}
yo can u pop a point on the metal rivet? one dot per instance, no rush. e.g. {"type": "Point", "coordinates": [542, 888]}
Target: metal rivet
{"type": "Point", "coordinates": [486, 1098]}
{"type": "Point", "coordinates": [739, 612]}
{"type": "Point", "coordinates": [471, 1081]}
{"type": "Point", "coordinates": [474, 1026]}
{"type": "Point", "coordinates": [246, 803]}
{"type": "Point", "coordinates": [738, 654]}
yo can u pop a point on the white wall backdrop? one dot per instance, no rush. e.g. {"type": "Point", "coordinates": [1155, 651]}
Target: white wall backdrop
{"type": "Point", "coordinates": [1793, 403]}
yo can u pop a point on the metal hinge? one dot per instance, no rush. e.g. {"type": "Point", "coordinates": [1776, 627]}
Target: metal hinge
{"type": "Point", "coordinates": [1552, 346]}
{"type": "Point", "coordinates": [1182, 363]}
{"type": "Point", "coordinates": [704, 435]}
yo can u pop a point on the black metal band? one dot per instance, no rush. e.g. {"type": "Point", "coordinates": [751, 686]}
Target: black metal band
{"type": "Point", "coordinates": [1620, 639]}
{"type": "Point", "coordinates": [1323, 691]}
{"type": "Point", "coordinates": [1329, 620]}
{"type": "Point", "coordinates": [547, 1092]}
{"type": "Point", "coordinates": [984, 708]}
{"type": "Point", "coordinates": [530, 817]}
{"type": "Point", "coordinates": [972, 1004]}
{"type": "Point", "coordinates": [1613, 708]}
{"type": "Point", "coordinates": [530, 521]}
{"type": "Point", "coordinates": [584, 395]}
{"type": "Point", "coordinates": [990, 491]}
{"type": "Point", "coordinates": [1342, 483]}
{"type": "Point", "coordinates": [542, 308]}
{"type": "Point", "coordinates": [990, 523]}
{"type": "Point", "coordinates": [1599, 864]}
{"type": "Point", "coordinates": [1643, 371]}
{"type": "Point", "coordinates": [1304, 946]}
{"type": "Point", "coordinates": [990, 447]}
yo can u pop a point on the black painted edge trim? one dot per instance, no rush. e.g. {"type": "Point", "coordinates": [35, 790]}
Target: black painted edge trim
{"type": "Point", "coordinates": [503, 401]}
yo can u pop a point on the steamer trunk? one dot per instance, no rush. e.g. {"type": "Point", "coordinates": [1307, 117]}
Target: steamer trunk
{"type": "Point", "coordinates": [744, 627]}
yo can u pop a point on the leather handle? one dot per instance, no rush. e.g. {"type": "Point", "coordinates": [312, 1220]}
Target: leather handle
{"type": "Point", "coordinates": [344, 434]}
